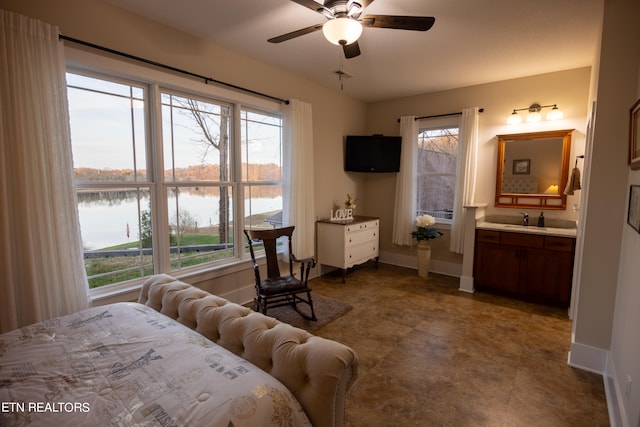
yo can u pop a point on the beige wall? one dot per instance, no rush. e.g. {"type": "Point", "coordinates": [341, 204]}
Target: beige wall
{"type": "Point", "coordinates": [607, 314]}
{"type": "Point", "coordinates": [569, 89]}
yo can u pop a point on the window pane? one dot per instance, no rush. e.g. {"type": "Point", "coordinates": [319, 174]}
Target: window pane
{"type": "Point", "coordinates": [200, 227]}
{"type": "Point", "coordinates": [116, 234]}
{"type": "Point", "coordinates": [437, 161]}
{"type": "Point", "coordinates": [196, 139]}
{"type": "Point", "coordinates": [108, 134]}
{"type": "Point", "coordinates": [261, 147]}
{"type": "Point", "coordinates": [263, 206]}
{"type": "Point", "coordinates": [435, 195]}
{"type": "Point", "coordinates": [437, 151]}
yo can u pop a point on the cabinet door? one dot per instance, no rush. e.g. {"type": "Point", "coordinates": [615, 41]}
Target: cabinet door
{"type": "Point", "coordinates": [546, 275]}
{"type": "Point", "coordinates": [496, 267]}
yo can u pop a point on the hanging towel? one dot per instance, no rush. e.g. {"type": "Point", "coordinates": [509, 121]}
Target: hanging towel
{"type": "Point", "coordinates": [574, 182]}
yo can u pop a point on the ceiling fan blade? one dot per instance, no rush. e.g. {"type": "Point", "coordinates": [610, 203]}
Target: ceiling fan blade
{"type": "Point", "coordinates": [309, 4]}
{"type": "Point", "coordinates": [294, 34]}
{"type": "Point", "coordinates": [415, 23]}
{"type": "Point", "coordinates": [351, 50]}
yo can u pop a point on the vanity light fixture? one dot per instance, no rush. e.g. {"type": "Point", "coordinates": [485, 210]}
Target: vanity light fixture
{"type": "Point", "coordinates": [534, 114]}
{"type": "Point", "coordinates": [555, 113]}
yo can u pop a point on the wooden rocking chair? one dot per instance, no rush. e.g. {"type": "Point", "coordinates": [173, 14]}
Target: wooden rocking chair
{"type": "Point", "coordinates": [277, 290]}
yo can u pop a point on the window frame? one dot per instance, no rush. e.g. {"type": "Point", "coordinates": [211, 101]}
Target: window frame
{"type": "Point", "coordinates": [434, 124]}
{"type": "Point", "coordinates": [88, 63]}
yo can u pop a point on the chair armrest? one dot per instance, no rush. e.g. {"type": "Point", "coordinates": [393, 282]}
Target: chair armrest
{"type": "Point", "coordinates": [306, 264]}
{"type": "Point", "coordinates": [310, 260]}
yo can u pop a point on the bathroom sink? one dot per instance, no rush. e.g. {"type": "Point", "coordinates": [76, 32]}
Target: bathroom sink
{"type": "Point", "coordinates": [529, 227]}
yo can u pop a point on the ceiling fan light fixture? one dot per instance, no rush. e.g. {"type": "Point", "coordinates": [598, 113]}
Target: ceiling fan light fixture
{"type": "Point", "coordinates": [342, 31]}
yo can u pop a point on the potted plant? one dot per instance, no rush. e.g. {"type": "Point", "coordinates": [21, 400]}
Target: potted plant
{"type": "Point", "coordinates": [350, 202]}
{"type": "Point", "coordinates": [423, 233]}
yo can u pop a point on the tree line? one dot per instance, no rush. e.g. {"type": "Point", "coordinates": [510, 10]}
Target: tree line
{"type": "Point", "coordinates": [251, 172]}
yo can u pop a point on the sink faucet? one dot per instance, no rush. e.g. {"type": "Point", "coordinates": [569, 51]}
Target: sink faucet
{"type": "Point", "coordinates": [525, 218]}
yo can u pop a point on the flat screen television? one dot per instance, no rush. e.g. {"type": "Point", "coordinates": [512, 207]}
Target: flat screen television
{"type": "Point", "coordinates": [375, 153]}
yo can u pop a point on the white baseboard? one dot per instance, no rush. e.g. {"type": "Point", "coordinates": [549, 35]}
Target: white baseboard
{"type": "Point", "coordinates": [440, 267]}
{"type": "Point", "coordinates": [398, 259]}
{"type": "Point", "coordinates": [466, 284]}
{"type": "Point", "coordinates": [408, 261]}
{"type": "Point", "coordinates": [588, 358]}
{"type": "Point", "coordinates": [613, 392]}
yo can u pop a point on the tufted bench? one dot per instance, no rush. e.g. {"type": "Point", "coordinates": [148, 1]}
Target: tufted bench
{"type": "Point", "coordinates": [318, 371]}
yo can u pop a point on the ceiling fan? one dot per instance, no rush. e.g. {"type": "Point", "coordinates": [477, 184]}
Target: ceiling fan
{"type": "Point", "coordinates": [345, 22]}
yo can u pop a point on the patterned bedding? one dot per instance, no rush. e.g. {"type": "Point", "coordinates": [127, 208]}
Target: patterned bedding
{"type": "Point", "coordinates": [126, 364]}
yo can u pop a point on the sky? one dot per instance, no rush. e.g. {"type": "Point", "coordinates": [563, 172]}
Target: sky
{"type": "Point", "coordinates": [108, 129]}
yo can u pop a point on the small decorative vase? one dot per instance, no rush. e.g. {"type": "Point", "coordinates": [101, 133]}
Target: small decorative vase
{"type": "Point", "coordinates": [424, 258]}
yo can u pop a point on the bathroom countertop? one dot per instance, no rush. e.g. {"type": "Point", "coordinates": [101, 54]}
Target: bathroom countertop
{"type": "Point", "coordinates": [530, 229]}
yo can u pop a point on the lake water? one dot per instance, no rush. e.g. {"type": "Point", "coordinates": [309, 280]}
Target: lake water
{"type": "Point", "coordinates": [105, 224]}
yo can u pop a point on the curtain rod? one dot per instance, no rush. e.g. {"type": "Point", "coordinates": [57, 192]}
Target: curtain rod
{"type": "Point", "coordinates": [207, 80]}
{"type": "Point", "coordinates": [481, 110]}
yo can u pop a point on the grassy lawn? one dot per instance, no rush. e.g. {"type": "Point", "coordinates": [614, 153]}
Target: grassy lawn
{"type": "Point", "coordinates": [114, 269]}
{"type": "Point", "coordinates": [122, 268]}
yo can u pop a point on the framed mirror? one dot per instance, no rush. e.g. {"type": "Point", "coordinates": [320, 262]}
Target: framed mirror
{"type": "Point", "coordinates": [533, 169]}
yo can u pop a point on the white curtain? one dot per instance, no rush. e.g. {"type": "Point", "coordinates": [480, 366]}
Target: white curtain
{"type": "Point", "coordinates": [465, 175]}
{"type": "Point", "coordinates": [299, 206]}
{"type": "Point", "coordinates": [406, 197]}
{"type": "Point", "coordinates": [41, 262]}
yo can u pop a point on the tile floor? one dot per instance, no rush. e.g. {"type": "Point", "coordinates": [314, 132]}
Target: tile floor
{"type": "Point", "coordinates": [433, 356]}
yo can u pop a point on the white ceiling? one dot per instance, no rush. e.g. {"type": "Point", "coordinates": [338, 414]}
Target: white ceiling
{"type": "Point", "coordinates": [471, 42]}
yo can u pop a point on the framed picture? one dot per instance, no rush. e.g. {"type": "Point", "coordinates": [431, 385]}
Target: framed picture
{"type": "Point", "coordinates": [634, 127]}
{"type": "Point", "coordinates": [522, 166]}
{"type": "Point", "coordinates": [633, 215]}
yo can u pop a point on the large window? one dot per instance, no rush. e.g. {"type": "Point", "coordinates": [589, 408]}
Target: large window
{"type": "Point", "coordinates": [437, 160]}
{"type": "Point", "coordinates": [168, 188]}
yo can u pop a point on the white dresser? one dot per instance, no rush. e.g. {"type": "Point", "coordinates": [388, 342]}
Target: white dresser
{"type": "Point", "coordinates": [344, 244]}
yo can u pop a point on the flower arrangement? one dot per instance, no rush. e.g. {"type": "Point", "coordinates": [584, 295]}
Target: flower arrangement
{"type": "Point", "coordinates": [424, 230]}
{"type": "Point", "coordinates": [350, 202]}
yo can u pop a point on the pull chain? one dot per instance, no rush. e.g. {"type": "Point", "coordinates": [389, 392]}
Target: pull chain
{"type": "Point", "coordinates": [341, 71]}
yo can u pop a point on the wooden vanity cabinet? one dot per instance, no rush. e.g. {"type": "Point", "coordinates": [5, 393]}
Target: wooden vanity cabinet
{"type": "Point", "coordinates": [529, 266]}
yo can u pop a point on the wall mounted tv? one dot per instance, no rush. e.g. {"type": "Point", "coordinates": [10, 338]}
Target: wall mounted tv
{"type": "Point", "coordinates": [375, 153]}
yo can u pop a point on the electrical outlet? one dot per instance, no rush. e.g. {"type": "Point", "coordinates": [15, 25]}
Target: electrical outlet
{"type": "Point", "coordinates": [627, 388]}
